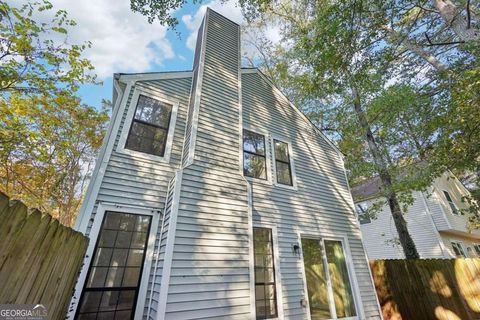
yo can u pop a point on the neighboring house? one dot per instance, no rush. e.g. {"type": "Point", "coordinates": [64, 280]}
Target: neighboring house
{"type": "Point", "coordinates": [434, 221]}
{"type": "Point", "coordinates": [214, 197]}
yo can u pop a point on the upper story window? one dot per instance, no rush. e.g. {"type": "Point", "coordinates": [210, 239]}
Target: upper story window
{"type": "Point", "coordinates": [477, 249]}
{"type": "Point", "coordinates": [282, 163]}
{"type": "Point", "coordinates": [450, 202]}
{"type": "Point", "coordinates": [361, 209]}
{"type": "Point", "coordinates": [150, 125]}
{"type": "Point", "coordinates": [458, 249]}
{"type": "Point", "coordinates": [254, 155]}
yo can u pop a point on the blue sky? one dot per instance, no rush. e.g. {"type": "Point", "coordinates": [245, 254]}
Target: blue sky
{"type": "Point", "coordinates": [123, 41]}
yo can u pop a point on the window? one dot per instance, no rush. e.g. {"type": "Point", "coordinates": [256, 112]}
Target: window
{"type": "Point", "coordinates": [458, 249]}
{"type": "Point", "coordinates": [477, 249]}
{"type": "Point", "coordinates": [452, 205]}
{"type": "Point", "coordinates": [282, 163]}
{"type": "Point", "coordinates": [362, 208]}
{"type": "Point", "coordinates": [329, 290]}
{"type": "Point", "coordinates": [265, 290]}
{"type": "Point", "coordinates": [113, 279]}
{"type": "Point", "coordinates": [254, 155]}
{"type": "Point", "coordinates": [149, 129]}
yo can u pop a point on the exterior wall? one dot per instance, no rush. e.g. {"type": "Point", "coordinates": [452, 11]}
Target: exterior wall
{"type": "Point", "coordinates": [467, 243]}
{"type": "Point", "coordinates": [201, 263]}
{"type": "Point", "coordinates": [379, 236]}
{"type": "Point", "coordinates": [450, 183]}
{"type": "Point", "coordinates": [321, 205]}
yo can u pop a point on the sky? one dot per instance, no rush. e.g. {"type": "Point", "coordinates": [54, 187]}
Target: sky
{"type": "Point", "coordinates": [123, 41]}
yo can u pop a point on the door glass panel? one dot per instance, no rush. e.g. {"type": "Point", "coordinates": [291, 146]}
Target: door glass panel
{"type": "Point", "coordinates": [316, 280]}
{"type": "Point", "coordinates": [342, 290]}
{"type": "Point", "coordinates": [114, 275]}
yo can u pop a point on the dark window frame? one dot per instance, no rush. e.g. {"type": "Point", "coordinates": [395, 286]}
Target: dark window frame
{"type": "Point", "coordinates": [154, 125]}
{"type": "Point", "coordinates": [264, 156]}
{"type": "Point", "coordinates": [116, 288]}
{"type": "Point", "coordinates": [289, 163]}
{"type": "Point", "coordinates": [361, 213]}
{"type": "Point", "coordinates": [457, 246]}
{"type": "Point", "coordinates": [451, 203]}
{"type": "Point", "coordinates": [265, 284]}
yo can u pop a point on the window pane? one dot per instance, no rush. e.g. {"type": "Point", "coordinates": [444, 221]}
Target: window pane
{"type": "Point", "coordinates": [117, 269]}
{"type": "Point", "coordinates": [146, 138]}
{"type": "Point", "coordinates": [253, 142]}
{"type": "Point", "coordinates": [281, 151]}
{"type": "Point", "coordinates": [342, 291]}
{"type": "Point", "coordinates": [316, 279]}
{"type": "Point", "coordinates": [265, 291]}
{"type": "Point", "coordinates": [283, 173]}
{"type": "Point", "coordinates": [153, 111]}
{"type": "Point", "coordinates": [254, 166]}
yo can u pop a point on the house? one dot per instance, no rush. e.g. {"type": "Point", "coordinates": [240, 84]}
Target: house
{"type": "Point", "coordinates": [214, 197]}
{"type": "Point", "coordinates": [434, 220]}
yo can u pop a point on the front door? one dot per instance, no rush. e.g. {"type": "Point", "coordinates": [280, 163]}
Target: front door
{"type": "Point", "coordinates": [113, 279]}
{"type": "Point", "coordinates": [328, 283]}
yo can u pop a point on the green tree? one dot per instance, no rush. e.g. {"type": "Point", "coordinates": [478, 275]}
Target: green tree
{"type": "Point", "coordinates": [48, 138]}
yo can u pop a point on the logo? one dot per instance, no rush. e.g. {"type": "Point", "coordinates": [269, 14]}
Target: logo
{"type": "Point", "coordinates": [23, 312]}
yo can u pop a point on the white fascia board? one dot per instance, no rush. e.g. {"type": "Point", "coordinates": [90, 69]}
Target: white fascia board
{"type": "Point", "coordinates": [154, 76]}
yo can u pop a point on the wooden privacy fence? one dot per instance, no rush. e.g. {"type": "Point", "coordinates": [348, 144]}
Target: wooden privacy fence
{"type": "Point", "coordinates": [39, 258]}
{"type": "Point", "coordinates": [428, 289]}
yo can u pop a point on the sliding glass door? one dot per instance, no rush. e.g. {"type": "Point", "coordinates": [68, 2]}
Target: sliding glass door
{"type": "Point", "coordinates": [330, 294]}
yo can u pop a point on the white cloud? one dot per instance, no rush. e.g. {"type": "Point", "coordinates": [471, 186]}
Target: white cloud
{"type": "Point", "coordinates": [122, 41]}
{"type": "Point", "coordinates": [229, 9]}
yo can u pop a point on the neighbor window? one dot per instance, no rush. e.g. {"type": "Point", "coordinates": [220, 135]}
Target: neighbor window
{"type": "Point", "coordinates": [282, 163]}
{"type": "Point", "coordinates": [458, 249]}
{"type": "Point", "coordinates": [452, 205]}
{"type": "Point", "coordinates": [265, 287]}
{"type": "Point", "coordinates": [363, 217]}
{"type": "Point", "coordinates": [477, 249]}
{"type": "Point", "coordinates": [254, 155]}
{"type": "Point", "coordinates": [114, 275]}
{"type": "Point", "coordinates": [149, 128]}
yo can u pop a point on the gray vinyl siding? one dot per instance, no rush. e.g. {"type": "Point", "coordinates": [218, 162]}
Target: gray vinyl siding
{"type": "Point", "coordinates": [210, 264]}
{"type": "Point", "coordinates": [322, 204]}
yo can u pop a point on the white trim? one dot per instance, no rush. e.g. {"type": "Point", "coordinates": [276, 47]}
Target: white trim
{"type": "Point", "coordinates": [97, 224]}
{"type": "Point", "coordinates": [251, 254]}
{"type": "Point", "coordinates": [432, 222]}
{"type": "Point", "coordinates": [188, 119]}
{"type": "Point", "coordinates": [290, 157]}
{"type": "Point", "coordinates": [169, 246]}
{"type": "Point", "coordinates": [154, 76]}
{"type": "Point", "coordinates": [268, 154]}
{"type": "Point", "coordinates": [351, 274]}
{"type": "Point", "coordinates": [276, 266]}
{"type": "Point", "coordinates": [440, 204]}
{"type": "Point", "coordinates": [304, 277]}
{"type": "Point", "coordinates": [304, 117]}
{"type": "Point", "coordinates": [101, 164]}
{"type": "Point", "coordinates": [128, 122]}
{"type": "Point", "coordinates": [198, 94]}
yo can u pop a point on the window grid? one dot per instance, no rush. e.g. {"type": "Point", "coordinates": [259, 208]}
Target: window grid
{"type": "Point", "coordinates": [287, 162]}
{"type": "Point", "coordinates": [245, 171]}
{"type": "Point", "coordinates": [458, 249]}
{"type": "Point", "coordinates": [129, 144]}
{"type": "Point", "coordinates": [98, 292]}
{"type": "Point", "coordinates": [268, 271]}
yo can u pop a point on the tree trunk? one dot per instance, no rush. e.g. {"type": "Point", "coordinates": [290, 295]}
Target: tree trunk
{"type": "Point", "coordinates": [459, 24]}
{"type": "Point", "coordinates": [406, 240]}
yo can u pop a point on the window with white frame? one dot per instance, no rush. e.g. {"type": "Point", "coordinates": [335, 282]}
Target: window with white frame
{"type": "Point", "coordinates": [265, 282]}
{"type": "Point", "coordinates": [329, 289]}
{"type": "Point", "coordinates": [458, 249]}
{"type": "Point", "coordinates": [476, 247]}
{"type": "Point", "coordinates": [361, 209]}
{"type": "Point", "coordinates": [254, 155]}
{"type": "Point", "coordinates": [452, 205]}
{"type": "Point", "coordinates": [150, 126]}
{"type": "Point", "coordinates": [283, 167]}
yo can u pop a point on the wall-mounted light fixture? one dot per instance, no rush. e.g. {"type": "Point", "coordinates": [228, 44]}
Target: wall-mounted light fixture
{"type": "Point", "coordinates": [296, 249]}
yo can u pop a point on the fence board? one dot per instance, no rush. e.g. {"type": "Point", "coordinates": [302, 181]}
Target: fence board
{"type": "Point", "coordinates": [440, 289]}
{"type": "Point", "coordinates": [39, 258]}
